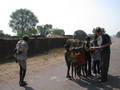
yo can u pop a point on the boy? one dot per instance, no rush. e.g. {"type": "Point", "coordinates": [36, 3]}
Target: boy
{"type": "Point", "coordinates": [68, 63]}
{"type": "Point", "coordinates": [87, 47]}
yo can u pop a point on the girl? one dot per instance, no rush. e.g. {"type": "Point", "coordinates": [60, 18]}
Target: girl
{"type": "Point", "coordinates": [96, 57]}
{"type": "Point", "coordinates": [81, 62]}
{"type": "Point", "coordinates": [73, 59]}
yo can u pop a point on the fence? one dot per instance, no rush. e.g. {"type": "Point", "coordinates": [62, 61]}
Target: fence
{"type": "Point", "coordinates": [35, 46]}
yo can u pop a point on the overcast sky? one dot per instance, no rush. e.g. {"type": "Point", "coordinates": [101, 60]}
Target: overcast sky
{"type": "Point", "coordinates": [70, 15]}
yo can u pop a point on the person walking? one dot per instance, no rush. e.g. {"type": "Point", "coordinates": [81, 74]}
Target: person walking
{"type": "Point", "coordinates": [105, 53]}
{"type": "Point", "coordinates": [21, 56]}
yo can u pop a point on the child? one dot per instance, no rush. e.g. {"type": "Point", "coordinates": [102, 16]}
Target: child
{"type": "Point", "coordinates": [73, 59]}
{"type": "Point", "coordinates": [87, 47]}
{"type": "Point", "coordinates": [96, 58]}
{"type": "Point", "coordinates": [81, 62]}
{"type": "Point", "coordinates": [68, 63]}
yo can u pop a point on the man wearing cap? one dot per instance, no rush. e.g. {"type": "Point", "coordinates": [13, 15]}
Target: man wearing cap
{"type": "Point", "coordinates": [105, 53]}
{"type": "Point", "coordinates": [21, 55]}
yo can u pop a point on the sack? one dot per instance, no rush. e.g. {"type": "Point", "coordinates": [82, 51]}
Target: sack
{"type": "Point", "coordinates": [17, 50]}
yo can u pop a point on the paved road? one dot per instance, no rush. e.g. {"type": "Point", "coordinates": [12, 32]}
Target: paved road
{"type": "Point", "coordinates": [53, 78]}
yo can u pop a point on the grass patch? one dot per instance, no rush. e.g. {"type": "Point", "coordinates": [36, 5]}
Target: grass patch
{"type": "Point", "coordinates": [10, 71]}
{"type": "Point", "coordinates": [53, 53]}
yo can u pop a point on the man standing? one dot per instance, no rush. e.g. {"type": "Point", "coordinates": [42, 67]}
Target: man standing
{"type": "Point", "coordinates": [105, 54]}
{"type": "Point", "coordinates": [21, 55]}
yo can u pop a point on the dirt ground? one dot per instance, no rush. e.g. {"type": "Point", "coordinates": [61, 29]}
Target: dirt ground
{"type": "Point", "coordinates": [10, 71]}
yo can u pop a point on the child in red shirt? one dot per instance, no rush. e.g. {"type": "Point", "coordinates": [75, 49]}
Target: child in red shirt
{"type": "Point", "coordinates": [81, 62]}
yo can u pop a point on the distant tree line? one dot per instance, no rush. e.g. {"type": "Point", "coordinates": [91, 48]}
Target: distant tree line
{"type": "Point", "coordinates": [24, 21]}
{"type": "Point", "coordinates": [118, 34]}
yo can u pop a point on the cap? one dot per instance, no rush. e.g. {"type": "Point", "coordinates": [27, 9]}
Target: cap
{"type": "Point", "coordinates": [25, 37]}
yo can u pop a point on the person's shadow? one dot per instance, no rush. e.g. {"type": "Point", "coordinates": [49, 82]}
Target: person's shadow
{"type": "Point", "coordinates": [28, 88]}
{"type": "Point", "coordinates": [92, 84]}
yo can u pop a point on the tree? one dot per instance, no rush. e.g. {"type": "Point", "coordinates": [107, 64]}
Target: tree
{"type": "Point", "coordinates": [91, 35]}
{"type": "Point", "coordinates": [118, 34]}
{"type": "Point", "coordinates": [1, 34]}
{"type": "Point", "coordinates": [57, 32]}
{"type": "Point", "coordinates": [4, 35]}
{"type": "Point", "coordinates": [22, 20]}
{"type": "Point", "coordinates": [30, 32]}
{"type": "Point", "coordinates": [103, 30]}
{"type": "Point", "coordinates": [1, 31]}
{"type": "Point", "coordinates": [80, 34]}
{"type": "Point", "coordinates": [44, 30]}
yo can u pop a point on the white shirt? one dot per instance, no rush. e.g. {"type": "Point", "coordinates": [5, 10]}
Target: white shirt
{"type": "Point", "coordinates": [99, 40]}
{"type": "Point", "coordinates": [23, 47]}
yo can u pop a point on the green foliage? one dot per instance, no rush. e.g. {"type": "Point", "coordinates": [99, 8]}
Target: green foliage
{"type": "Point", "coordinates": [80, 34]}
{"type": "Point", "coordinates": [91, 35]}
{"type": "Point", "coordinates": [44, 30]}
{"type": "Point", "coordinates": [118, 34]}
{"type": "Point", "coordinates": [30, 32]}
{"type": "Point", "coordinates": [23, 33]}
{"type": "Point", "coordinates": [57, 32]}
{"type": "Point", "coordinates": [1, 34]}
{"type": "Point", "coordinates": [5, 35]}
{"type": "Point", "coordinates": [22, 20]}
{"type": "Point", "coordinates": [103, 30]}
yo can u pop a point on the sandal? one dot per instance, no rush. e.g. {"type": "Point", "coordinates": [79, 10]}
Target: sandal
{"type": "Point", "coordinates": [23, 83]}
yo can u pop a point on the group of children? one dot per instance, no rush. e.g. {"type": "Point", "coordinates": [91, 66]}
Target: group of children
{"type": "Point", "coordinates": [77, 63]}
{"type": "Point", "coordinates": [75, 58]}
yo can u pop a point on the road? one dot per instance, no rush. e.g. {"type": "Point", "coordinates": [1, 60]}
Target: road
{"type": "Point", "coordinates": [54, 77]}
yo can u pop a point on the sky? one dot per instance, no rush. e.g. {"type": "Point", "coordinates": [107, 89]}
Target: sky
{"type": "Point", "coordinates": [69, 15]}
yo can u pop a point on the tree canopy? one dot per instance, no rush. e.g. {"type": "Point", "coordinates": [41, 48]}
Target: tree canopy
{"type": "Point", "coordinates": [3, 35]}
{"type": "Point", "coordinates": [22, 20]}
{"type": "Point", "coordinates": [118, 34]}
{"type": "Point", "coordinates": [44, 30]}
{"type": "Point", "coordinates": [80, 34]}
{"type": "Point", "coordinates": [57, 32]}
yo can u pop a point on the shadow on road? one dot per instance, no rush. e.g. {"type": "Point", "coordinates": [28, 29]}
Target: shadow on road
{"type": "Point", "coordinates": [28, 88]}
{"type": "Point", "coordinates": [92, 84]}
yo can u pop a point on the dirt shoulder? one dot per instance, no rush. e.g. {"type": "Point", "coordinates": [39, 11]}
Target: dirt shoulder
{"type": "Point", "coordinates": [10, 71]}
